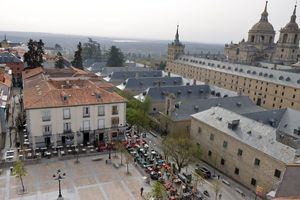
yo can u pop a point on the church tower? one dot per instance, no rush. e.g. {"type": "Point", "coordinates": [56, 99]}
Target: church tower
{"type": "Point", "coordinates": [176, 48]}
{"type": "Point", "coordinates": [288, 42]}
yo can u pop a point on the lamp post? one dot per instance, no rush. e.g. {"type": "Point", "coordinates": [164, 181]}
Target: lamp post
{"type": "Point", "coordinates": [58, 177]}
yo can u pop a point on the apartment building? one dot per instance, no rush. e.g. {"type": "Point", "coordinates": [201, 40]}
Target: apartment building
{"type": "Point", "coordinates": [70, 110]}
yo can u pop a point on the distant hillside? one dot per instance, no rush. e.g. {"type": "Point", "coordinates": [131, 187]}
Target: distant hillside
{"type": "Point", "coordinates": [153, 47]}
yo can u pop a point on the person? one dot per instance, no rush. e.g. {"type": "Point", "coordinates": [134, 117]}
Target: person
{"type": "Point", "coordinates": [220, 196]}
{"type": "Point", "coordinates": [142, 190]}
{"type": "Point", "coordinates": [105, 161]}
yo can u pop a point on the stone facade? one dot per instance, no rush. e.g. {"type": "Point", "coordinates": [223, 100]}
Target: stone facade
{"type": "Point", "coordinates": [260, 44]}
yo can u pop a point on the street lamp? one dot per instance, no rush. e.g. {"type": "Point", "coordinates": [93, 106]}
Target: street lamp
{"type": "Point", "coordinates": [58, 177]}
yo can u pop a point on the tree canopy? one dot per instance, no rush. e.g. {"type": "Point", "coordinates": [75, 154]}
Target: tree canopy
{"type": "Point", "coordinates": [34, 56]}
{"type": "Point", "coordinates": [20, 171]}
{"type": "Point", "coordinates": [59, 63]}
{"type": "Point", "coordinates": [77, 61]}
{"type": "Point", "coordinates": [159, 191]}
{"type": "Point", "coordinates": [91, 50]}
{"type": "Point", "coordinates": [181, 148]}
{"type": "Point", "coordinates": [115, 57]}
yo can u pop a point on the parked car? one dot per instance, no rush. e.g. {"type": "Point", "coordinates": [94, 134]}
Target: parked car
{"type": "Point", "coordinates": [204, 172]}
{"type": "Point", "coordinates": [206, 193]}
{"type": "Point", "coordinates": [183, 178]}
{"type": "Point", "coordinates": [154, 175]}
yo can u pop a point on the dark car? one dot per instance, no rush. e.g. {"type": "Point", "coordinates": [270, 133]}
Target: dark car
{"type": "Point", "coordinates": [183, 178]}
{"type": "Point", "coordinates": [204, 172]}
{"type": "Point", "coordinates": [154, 175]}
{"type": "Point", "coordinates": [206, 193]}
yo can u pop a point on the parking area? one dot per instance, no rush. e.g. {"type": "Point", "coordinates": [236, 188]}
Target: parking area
{"type": "Point", "coordinates": [91, 179]}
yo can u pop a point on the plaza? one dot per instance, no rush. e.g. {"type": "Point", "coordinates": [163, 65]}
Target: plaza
{"type": "Point", "coordinates": [88, 180]}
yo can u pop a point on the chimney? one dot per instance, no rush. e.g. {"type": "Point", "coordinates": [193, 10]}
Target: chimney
{"type": "Point", "coordinates": [170, 104]}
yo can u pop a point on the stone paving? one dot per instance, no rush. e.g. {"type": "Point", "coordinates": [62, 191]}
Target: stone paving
{"type": "Point", "coordinates": [88, 180]}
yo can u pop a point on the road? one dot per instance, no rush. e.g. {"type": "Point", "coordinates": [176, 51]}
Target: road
{"type": "Point", "coordinates": [228, 191]}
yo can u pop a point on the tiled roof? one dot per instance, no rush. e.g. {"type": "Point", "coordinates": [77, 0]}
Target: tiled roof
{"type": "Point", "coordinates": [249, 132]}
{"type": "Point", "coordinates": [28, 73]}
{"type": "Point", "coordinates": [258, 73]}
{"type": "Point", "coordinates": [41, 92]}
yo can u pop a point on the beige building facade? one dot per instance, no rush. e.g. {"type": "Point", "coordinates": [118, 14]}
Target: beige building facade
{"type": "Point", "coordinates": [243, 149]}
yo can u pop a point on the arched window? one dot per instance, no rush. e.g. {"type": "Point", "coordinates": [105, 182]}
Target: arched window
{"type": "Point", "coordinates": [262, 38]}
{"type": "Point", "coordinates": [295, 39]}
{"type": "Point", "coordinates": [284, 39]}
{"type": "Point", "coordinates": [252, 38]}
{"type": "Point", "coordinates": [271, 40]}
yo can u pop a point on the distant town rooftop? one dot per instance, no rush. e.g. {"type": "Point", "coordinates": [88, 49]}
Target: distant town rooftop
{"type": "Point", "coordinates": [6, 57]}
{"type": "Point", "coordinates": [123, 75]}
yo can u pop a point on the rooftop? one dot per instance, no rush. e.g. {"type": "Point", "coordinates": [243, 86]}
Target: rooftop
{"type": "Point", "coordinates": [239, 104]}
{"type": "Point", "coordinates": [123, 75]}
{"type": "Point", "coordinates": [40, 91]}
{"type": "Point", "coordinates": [105, 71]}
{"type": "Point", "coordinates": [6, 57]}
{"type": "Point", "coordinates": [250, 132]}
{"type": "Point", "coordinates": [258, 73]}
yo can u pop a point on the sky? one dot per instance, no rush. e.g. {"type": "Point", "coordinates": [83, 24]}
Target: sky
{"type": "Point", "coordinates": [206, 21]}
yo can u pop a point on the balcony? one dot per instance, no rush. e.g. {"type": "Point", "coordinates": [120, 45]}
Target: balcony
{"type": "Point", "coordinates": [67, 131]}
{"type": "Point", "coordinates": [47, 134]}
{"type": "Point", "coordinates": [46, 118]}
{"type": "Point", "coordinates": [86, 115]}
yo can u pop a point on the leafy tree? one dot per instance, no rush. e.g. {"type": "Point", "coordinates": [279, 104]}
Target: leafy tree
{"type": "Point", "coordinates": [128, 160]}
{"type": "Point", "coordinates": [91, 50]}
{"type": "Point", "coordinates": [162, 65]}
{"type": "Point", "coordinates": [34, 56]}
{"type": "Point", "coordinates": [115, 57]}
{"type": "Point", "coordinates": [158, 191]}
{"type": "Point", "coordinates": [20, 171]}
{"type": "Point", "coordinates": [217, 187]}
{"type": "Point", "coordinates": [58, 47]}
{"type": "Point", "coordinates": [77, 61]}
{"type": "Point", "coordinates": [137, 113]}
{"type": "Point", "coordinates": [59, 63]}
{"type": "Point", "coordinates": [181, 149]}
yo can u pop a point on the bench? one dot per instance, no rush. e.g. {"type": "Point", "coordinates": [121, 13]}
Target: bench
{"type": "Point", "coordinates": [116, 165]}
{"type": "Point", "coordinates": [97, 159]}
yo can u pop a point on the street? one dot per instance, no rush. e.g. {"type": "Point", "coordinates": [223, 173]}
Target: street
{"type": "Point", "coordinates": [228, 192]}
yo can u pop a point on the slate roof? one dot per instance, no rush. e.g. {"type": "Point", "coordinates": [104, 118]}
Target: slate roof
{"type": "Point", "coordinates": [239, 104]}
{"type": "Point", "coordinates": [185, 92]}
{"type": "Point", "coordinates": [144, 83]}
{"type": "Point", "coordinates": [123, 75]}
{"type": "Point", "coordinates": [258, 73]}
{"type": "Point", "coordinates": [6, 57]}
{"type": "Point", "coordinates": [290, 183]}
{"type": "Point", "coordinates": [105, 71]}
{"type": "Point", "coordinates": [249, 132]}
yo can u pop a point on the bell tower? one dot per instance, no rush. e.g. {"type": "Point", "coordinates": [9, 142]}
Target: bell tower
{"type": "Point", "coordinates": [288, 42]}
{"type": "Point", "coordinates": [176, 48]}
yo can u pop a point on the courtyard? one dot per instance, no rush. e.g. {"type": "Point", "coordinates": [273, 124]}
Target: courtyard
{"type": "Point", "coordinates": [88, 180]}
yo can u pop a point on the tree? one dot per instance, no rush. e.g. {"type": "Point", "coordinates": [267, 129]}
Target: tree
{"type": "Point", "coordinates": [77, 61]}
{"type": "Point", "coordinates": [91, 50]}
{"type": "Point", "coordinates": [20, 171]}
{"type": "Point", "coordinates": [115, 57]}
{"type": "Point", "coordinates": [58, 47]}
{"type": "Point", "coordinates": [34, 56]}
{"type": "Point", "coordinates": [128, 160]}
{"type": "Point", "coordinates": [121, 148]}
{"type": "Point", "coordinates": [181, 149]}
{"type": "Point", "coordinates": [137, 113]}
{"type": "Point", "coordinates": [59, 63]}
{"type": "Point", "coordinates": [217, 187]}
{"type": "Point", "coordinates": [158, 191]}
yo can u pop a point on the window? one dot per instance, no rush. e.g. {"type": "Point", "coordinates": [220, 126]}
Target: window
{"type": "Point", "coordinates": [237, 171]}
{"type": "Point", "coordinates": [212, 137]}
{"type": "Point", "coordinates": [277, 173]}
{"type": "Point", "coordinates": [101, 111]}
{"type": "Point", "coordinates": [100, 123]}
{"type": "Point", "coordinates": [199, 130]}
{"type": "Point", "coordinates": [225, 144]}
{"type": "Point", "coordinates": [66, 113]}
{"type": "Point", "coordinates": [253, 182]}
{"type": "Point", "coordinates": [209, 153]}
{"type": "Point", "coordinates": [256, 162]}
{"type": "Point", "coordinates": [240, 152]}
{"type": "Point", "coordinates": [86, 125]}
{"type": "Point", "coordinates": [46, 115]}
{"type": "Point", "coordinates": [222, 161]}
{"type": "Point", "coordinates": [47, 129]}
{"type": "Point", "coordinates": [115, 121]}
{"type": "Point", "coordinates": [114, 110]}
{"type": "Point", "coordinates": [86, 111]}
{"type": "Point", "coordinates": [67, 127]}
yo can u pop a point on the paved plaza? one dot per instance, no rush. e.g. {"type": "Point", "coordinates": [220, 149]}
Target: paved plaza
{"type": "Point", "coordinates": [89, 180]}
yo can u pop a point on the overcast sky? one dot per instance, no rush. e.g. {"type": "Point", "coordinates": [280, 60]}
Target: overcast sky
{"type": "Point", "coordinates": [208, 21]}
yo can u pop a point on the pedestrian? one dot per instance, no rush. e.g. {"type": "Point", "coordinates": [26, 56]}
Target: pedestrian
{"type": "Point", "coordinates": [142, 190]}
{"type": "Point", "coordinates": [105, 161]}
{"type": "Point", "coordinates": [220, 196]}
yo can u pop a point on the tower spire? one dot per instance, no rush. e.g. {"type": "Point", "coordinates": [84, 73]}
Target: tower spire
{"type": "Point", "coordinates": [5, 37]}
{"type": "Point", "coordinates": [177, 35]}
{"type": "Point", "coordinates": [264, 15]}
{"type": "Point", "coordinates": [293, 17]}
